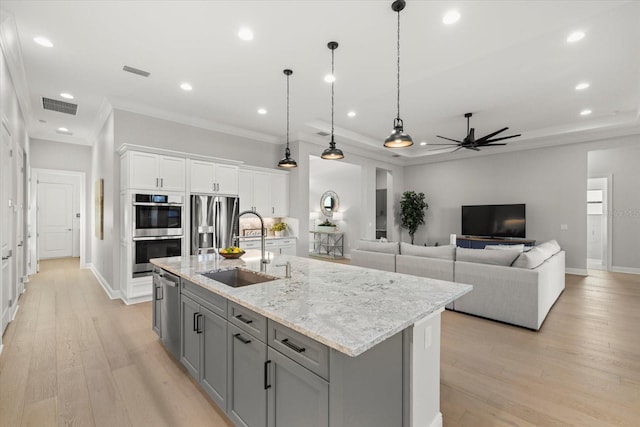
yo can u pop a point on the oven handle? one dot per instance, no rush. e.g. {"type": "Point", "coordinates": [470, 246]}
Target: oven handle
{"type": "Point", "coordinates": [136, 239]}
{"type": "Point", "coordinates": [156, 204]}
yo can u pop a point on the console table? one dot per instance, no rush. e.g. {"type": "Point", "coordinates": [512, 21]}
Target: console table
{"type": "Point", "coordinates": [481, 242]}
{"type": "Point", "coordinates": [327, 244]}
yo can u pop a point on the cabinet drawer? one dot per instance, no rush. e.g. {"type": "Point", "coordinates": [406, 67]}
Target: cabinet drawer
{"type": "Point", "coordinates": [248, 320]}
{"type": "Point", "coordinates": [250, 244]}
{"type": "Point", "coordinates": [271, 244]}
{"type": "Point", "coordinates": [287, 242]}
{"type": "Point", "coordinates": [208, 299]}
{"type": "Point", "coordinates": [306, 351]}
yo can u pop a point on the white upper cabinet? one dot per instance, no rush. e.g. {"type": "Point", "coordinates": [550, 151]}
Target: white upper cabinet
{"type": "Point", "coordinates": [279, 195]}
{"type": "Point", "coordinates": [264, 192]}
{"type": "Point", "coordinates": [148, 171]}
{"type": "Point", "coordinates": [217, 178]}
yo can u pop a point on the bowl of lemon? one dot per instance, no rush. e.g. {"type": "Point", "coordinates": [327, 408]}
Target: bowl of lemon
{"type": "Point", "coordinates": [232, 252]}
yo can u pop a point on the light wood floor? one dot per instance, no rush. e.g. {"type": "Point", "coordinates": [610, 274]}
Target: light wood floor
{"type": "Point", "coordinates": [73, 357]}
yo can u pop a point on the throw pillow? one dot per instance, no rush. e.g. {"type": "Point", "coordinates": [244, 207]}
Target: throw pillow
{"type": "Point", "coordinates": [441, 252]}
{"type": "Point", "coordinates": [376, 246]}
{"type": "Point", "coordinates": [482, 256]}
{"type": "Point", "coordinates": [549, 248]}
{"type": "Point", "coordinates": [532, 259]}
{"type": "Point", "coordinates": [519, 248]}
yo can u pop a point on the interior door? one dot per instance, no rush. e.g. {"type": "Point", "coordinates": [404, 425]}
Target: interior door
{"type": "Point", "coordinates": [55, 220]}
{"type": "Point", "coordinates": [6, 228]}
{"type": "Point", "coordinates": [20, 216]}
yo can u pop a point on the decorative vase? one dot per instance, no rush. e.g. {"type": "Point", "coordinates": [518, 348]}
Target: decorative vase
{"type": "Point", "coordinates": [278, 233]}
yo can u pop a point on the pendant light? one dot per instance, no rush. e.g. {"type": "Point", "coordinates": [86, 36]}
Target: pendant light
{"type": "Point", "coordinates": [398, 139]}
{"type": "Point", "coordinates": [287, 162]}
{"type": "Point", "coordinates": [332, 153]}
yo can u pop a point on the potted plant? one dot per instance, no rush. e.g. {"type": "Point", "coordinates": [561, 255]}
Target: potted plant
{"type": "Point", "coordinates": [278, 228]}
{"type": "Point", "coordinates": [412, 207]}
{"type": "Point", "coordinates": [326, 226]}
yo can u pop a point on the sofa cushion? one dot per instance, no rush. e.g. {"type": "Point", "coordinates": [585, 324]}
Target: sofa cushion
{"type": "Point", "coordinates": [442, 252]}
{"type": "Point", "coordinates": [519, 248]}
{"type": "Point", "coordinates": [484, 256]}
{"type": "Point", "coordinates": [549, 248]}
{"type": "Point", "coordinates": [377, 246]}
{"type": "Point", "coordinates": [532, 259]}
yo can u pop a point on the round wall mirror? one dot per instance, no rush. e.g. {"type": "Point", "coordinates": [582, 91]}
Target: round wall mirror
{"type": "Point", "coordinates": [329, 203]}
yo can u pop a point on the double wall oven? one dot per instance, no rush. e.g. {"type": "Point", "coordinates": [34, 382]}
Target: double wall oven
{"type": "Point", "coordinates": [157, 221]}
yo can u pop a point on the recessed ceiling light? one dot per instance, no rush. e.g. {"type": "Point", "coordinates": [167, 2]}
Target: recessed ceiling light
{"type": "Point", "coordinates": [351, 114]}
{"type": "Point", "coordinates": [43, 41]}
{"type": "Point", "coordinates": [245, 34]}
{"type": "Point", "coordinates": [582, 86]}
{"type": "Point", "coordinates": [451, 17]}
{"type": "Point", "coordinates": [63, 129]}
{"type": "Point", "coordinates": [66, 95]}
{"type": "Point", "coordinates": [585, 112]}
{"type": "Point", "coordinates": [575, 36]}
{"type": "Point", "coordinates": [423, 143]}
{"type": "Point", "coordinates": [329, 78]}
{"type": "Point", "coordinates": [262, 111]}
{"type": "Point", "coordinates": [186, 86]}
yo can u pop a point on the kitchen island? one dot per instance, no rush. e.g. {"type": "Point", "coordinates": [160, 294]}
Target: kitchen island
{"type": "Point", "coordinates": [366, 343]}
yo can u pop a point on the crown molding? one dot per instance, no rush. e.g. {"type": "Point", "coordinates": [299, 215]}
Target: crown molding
{"type": "Point", "coordinates": [12, 51]}
{"type": "Point", "coordinates": [121, 104]}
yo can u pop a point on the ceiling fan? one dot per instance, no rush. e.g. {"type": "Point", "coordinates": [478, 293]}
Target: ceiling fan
{"type": "Point", "coordinates": [471, 143]}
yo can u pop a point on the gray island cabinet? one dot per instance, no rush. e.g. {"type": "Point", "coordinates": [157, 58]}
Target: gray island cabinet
{"type": "Point", "coordinates": [333, 345]}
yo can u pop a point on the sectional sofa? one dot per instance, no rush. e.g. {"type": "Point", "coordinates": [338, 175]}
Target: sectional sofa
{"type": "Point", "coordinates": [509, 285]}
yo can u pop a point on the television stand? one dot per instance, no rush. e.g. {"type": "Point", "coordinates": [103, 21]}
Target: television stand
{"type": "Point", "coordinates": [480, 242]}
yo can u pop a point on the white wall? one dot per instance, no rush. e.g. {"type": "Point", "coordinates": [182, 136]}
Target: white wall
{"type": "Point", "coordinates": [551, 181]}
{"type": "Point", "coordinates": [132, 128]}
{"type": "Point", "coordinates": [67, 157]}
{"type": "Point", "coordinates": [623, 165]}
{"type": "Point", "coordinates": [345, 180]}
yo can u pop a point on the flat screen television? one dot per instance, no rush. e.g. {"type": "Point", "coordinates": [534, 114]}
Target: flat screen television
{"type": "Point", "coordinates": [494, 221]}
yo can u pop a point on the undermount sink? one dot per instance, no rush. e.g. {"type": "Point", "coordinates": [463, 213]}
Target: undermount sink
{"type": "Point", "coordinates": [238, 277]}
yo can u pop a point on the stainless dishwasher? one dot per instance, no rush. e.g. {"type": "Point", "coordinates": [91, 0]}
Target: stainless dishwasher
{"type": "Point", "coordinates": [170, 313]}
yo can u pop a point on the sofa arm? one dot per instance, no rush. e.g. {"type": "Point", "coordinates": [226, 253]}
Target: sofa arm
{"type": "Point", "coordinates": [376, 260]}
{"type": "Point", "coordinates": [507, 294]}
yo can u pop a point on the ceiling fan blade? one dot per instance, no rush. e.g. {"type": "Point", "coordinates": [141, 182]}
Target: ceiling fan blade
{"type": "Point", "coordinates": [459, 148]}
{"type": "Point", "coordinates": [491, 145]}
{"type": "Point", "coordinates": [484, 138]}
{"type": "Point", "coordinates": [470, 147]}
{"type": "Point", "coordinates": [444, 137]}
{"type": "Point", "coordinates": [500, 139]}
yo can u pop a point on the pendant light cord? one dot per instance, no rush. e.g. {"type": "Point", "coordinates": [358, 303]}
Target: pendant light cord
{"type": "Point", "coordinates": [398, 65]}
{"type": "Point", "coordinates": [287, 111]}
{"type": "Point", "coordinates": [332, 83]}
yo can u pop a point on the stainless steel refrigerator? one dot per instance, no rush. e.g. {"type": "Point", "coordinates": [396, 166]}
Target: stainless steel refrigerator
{"type": "Point", "coordinates": [214, 222]}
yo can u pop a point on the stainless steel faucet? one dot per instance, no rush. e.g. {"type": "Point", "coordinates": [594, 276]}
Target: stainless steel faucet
{"type": "Point", "coordinates": [263, 259]}
{"type": "Point", "coordinates": [287, 270]}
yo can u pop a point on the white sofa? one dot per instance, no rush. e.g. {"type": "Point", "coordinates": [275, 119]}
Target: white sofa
{"type": "Point", "coordinates": [509, 286]}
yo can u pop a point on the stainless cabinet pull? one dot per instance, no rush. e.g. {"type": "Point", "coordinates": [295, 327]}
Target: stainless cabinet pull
{"type": "Point", "coordinates": [157, 184]}
{"type": "Point", "coordinates": [161, 182]}
{"type": "Point", "coordinates": [242, 339]}
{"type": "Point", "coordinates": [292, 346]}
{"type": "Point", "coordinates": [266, 375]}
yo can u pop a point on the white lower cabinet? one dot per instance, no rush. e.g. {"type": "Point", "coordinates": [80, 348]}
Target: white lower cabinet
{"type": "Point", "coordinates": [277, 246]}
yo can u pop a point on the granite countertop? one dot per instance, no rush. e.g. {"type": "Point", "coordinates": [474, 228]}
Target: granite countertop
{"type": "Point", "coordinates": [347, 308]}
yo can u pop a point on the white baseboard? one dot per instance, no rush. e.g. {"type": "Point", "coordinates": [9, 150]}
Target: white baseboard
{"type": "Point", "coordinates": [437, 421]}
{"type": "Point", "coordinates": [136, 300]}
{"type": "Point", "coordinates": [15, 312]}
{"type": "Point", "coordinates": [1, 345]}
{"type": "Point", "coordinates": [629, 270]}
{"type": "Point", "coordinates": [111, 293]}
{"type": "Point", "coordinates": [577, 271]}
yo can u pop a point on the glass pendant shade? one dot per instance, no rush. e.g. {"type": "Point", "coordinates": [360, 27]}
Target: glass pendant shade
{"type": "Point", "coordinates": [287, 162]}
{"type": "Point", "coordinates": [398, 139]}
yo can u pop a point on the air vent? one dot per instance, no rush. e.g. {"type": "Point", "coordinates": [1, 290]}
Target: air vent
{"type": "Point", "coordinates": [64, 132]}
{"type": "Point", "coordinates": [59, 106]}
{"type": "Point", "coordinates": [323, 133]}
{"type": "Point", "coordinates": [136, 71]}
{"type": "Point", "coordinates": [395, 155]}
